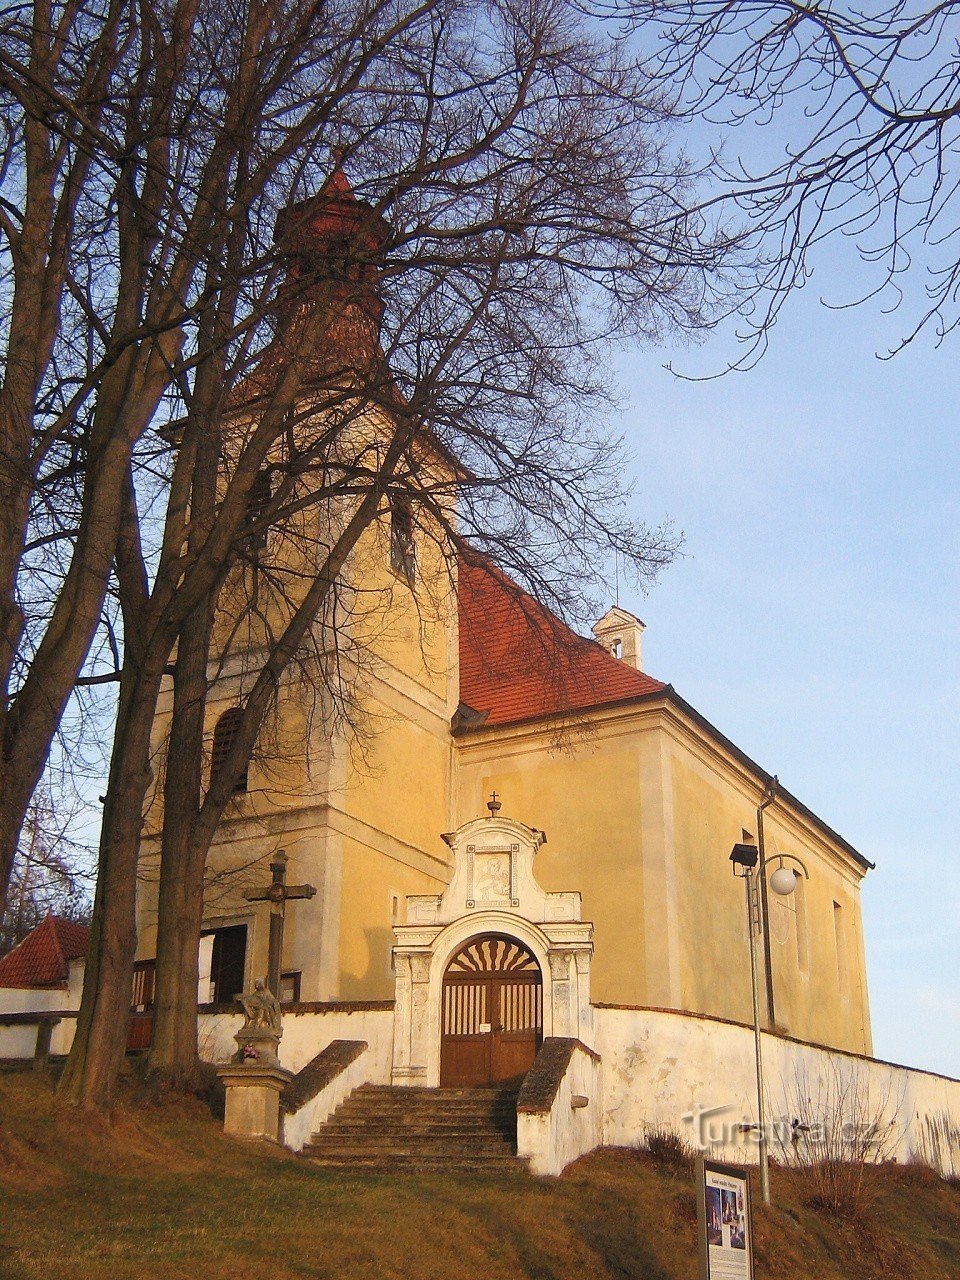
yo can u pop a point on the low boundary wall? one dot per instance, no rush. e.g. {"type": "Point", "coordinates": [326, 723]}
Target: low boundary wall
{"type": "Point", "coordinates": [307, 1029]}
{"type": "Point", "coordinates": [659, 1069]}
{"type": "Point", "coordinates": [696, 1076]}
{"type": "Point", "coordinates": [560, 1107]}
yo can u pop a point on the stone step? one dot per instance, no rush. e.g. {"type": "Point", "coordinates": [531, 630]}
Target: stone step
{"type": "Point", "coordinates": [363, 1131]}
{"type": "Point", "coordinates": [362, 1128]}
{"type": "Point", "coordinates": [498, 1165]}
{"type": "Point", "coordinates": [387, 1129]}
{"type": "Point", "coordinates": [346, 1150]}
{"type": "Point", "coordinates": [436, 1091]}
{"type": "Point", "coordinates": [429, 1112]}
{"type": "Point", "coordinates": [416, 1097]}
{"type": "Point", "coordinates": [407, 1124]}
{"type": "Point", "coordinates": [426, 1112]}
{"type": "Point", "coordinates": [496, 1120]}
{"type": "Point", "coordinates": [432, 1104]}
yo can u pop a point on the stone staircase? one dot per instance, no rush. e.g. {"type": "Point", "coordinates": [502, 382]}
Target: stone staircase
{"type": "Point", "coordinates": [444, 1130]}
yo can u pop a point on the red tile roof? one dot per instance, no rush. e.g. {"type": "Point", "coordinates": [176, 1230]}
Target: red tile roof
{"type": "Point", "coordinates": [43, 958]}
{"type": "Point", "coordinates": [518, 661]}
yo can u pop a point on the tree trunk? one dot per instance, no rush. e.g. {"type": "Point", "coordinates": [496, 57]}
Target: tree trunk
{"type": "Point", "coordinates": [34, 715]}
{"type": "Point", "coordinates": [90, 1076]}
{"type": "Point", "coordinates": [173, 1054]}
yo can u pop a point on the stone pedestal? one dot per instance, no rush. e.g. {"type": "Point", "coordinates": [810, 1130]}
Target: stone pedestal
{"type": "Point", "coordinates": [257, 1046]}
{"type": "Point", "coordinates": [253, 1098]}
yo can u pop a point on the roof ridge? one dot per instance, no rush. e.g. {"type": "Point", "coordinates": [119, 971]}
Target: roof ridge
{"type": "Point", "coordinates": [54, 922]}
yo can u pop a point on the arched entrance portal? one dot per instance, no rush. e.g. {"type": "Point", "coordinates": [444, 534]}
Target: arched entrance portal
{"type": "Point", "coordinates": [491, 1014]}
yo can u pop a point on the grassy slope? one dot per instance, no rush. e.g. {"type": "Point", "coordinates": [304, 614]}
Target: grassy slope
{"type": "Point", "coordinates": [159, 1192]}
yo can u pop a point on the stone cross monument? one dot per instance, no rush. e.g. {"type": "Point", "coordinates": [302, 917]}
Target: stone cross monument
{"type": "Point", "coordinates": [255, 1079]}
{"type": "Point", "coordinates": [277, 892]}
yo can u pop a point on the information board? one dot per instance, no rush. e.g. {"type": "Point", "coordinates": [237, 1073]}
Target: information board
{"type": "Point", "coordinates": [725, 1222]}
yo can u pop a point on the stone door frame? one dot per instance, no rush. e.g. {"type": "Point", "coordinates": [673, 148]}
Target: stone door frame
{"type": "Point", "coordinates": [563, 952]}
{"type": "Point", "coordinates": [492, 889]}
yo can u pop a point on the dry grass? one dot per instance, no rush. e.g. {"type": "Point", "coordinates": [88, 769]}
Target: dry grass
{"type": "Point", "coordinates": [158, 1193]}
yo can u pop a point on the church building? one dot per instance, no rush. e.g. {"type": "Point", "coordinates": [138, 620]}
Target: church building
{"type": "Point", "coordinates": [464, 689]}
{"type": "Point", "coordinates": [514, 837]}
{"type": "Point", "coordinates": [632, 799]}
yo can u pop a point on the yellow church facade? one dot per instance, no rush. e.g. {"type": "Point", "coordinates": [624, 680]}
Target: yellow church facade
{"type": "Point", "coordinates": [433, 685]}
{"type": "Point", "coordinates": [468, 688]}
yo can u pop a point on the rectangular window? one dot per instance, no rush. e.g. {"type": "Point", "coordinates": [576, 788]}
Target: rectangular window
{"type": "Point", "coordinates": [800, 905]}
{"type": "Point", "coordinates": [403, 558]}
{"type": "Point", "coordinates": [290, 987]}
{"type": "Point", "coordinates": [227, 962]}
{"type": "Point", "coordinates": [144, 972]}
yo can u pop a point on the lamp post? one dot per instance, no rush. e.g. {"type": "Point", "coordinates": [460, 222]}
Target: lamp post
{"type": "Point", "coordinates": [763, 906]}
{"type": "Point", "coordinates": [745, 859]}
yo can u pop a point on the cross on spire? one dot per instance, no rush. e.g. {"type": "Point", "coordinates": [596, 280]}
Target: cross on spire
{"type": "Point", "coordinates": [494, 805]}
{"type": "Point", "coordinates": [277, 892]}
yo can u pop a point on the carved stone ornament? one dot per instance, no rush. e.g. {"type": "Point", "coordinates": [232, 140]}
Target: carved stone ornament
{"type": "Point", "coordinates": [259, 1037]}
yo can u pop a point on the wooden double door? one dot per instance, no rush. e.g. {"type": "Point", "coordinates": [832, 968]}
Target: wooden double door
{"type": "Point", "coordinates": [491, 1013]}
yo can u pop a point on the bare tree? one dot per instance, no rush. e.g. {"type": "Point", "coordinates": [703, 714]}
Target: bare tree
{"type": "Point", "coordinates": [51, 873]}
{"type": "Point", "coordinates": [519, 207]}
{"type": "Point", "coordinates": [841, 1122]}
{"type": "Point", "coordinates": [55, 73]}
{"type": "Point", "coordinates": [849, 120]}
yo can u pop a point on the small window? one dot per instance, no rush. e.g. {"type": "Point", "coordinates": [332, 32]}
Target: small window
{"type": "Point", "coordinates": [403, 558]}
{"type": "Point", "coordinates": [840, 934]}
{"type": "Point", "coordinates": [261, 491]}
{"type": "Point", "coordinates": [800, 907]}
{"type": "Point", "coordinates": [290, 987]}
{"type": "Point", "coordinates": [618, 648]}
{"type": "Point", "coordinates": [223, 738]}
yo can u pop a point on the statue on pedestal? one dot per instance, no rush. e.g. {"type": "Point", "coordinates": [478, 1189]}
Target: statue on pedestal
{"type": "Point", "coordinates": [262, 1008]}
{"type": "Point", "coordinates": [259, 1037]}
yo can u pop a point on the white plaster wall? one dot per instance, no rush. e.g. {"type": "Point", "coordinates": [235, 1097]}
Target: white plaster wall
{"type": "Point", "coordinates": [552, 1139]}
{"type": "Point", "coordinates": [62, 1039]}
{"type": "Point", "coordinates": [20, 1042]}
{"type": "Point", "coordinates": [305, 1034]}
{"type": "Point", "coordinates": [297, 1129]}
{"type": "Point", "coordinates": [660, 1069]}
{"type": "Point", "coordinates": [34, 999]}
{"type": "Point", "coordinates": [17, 1042]}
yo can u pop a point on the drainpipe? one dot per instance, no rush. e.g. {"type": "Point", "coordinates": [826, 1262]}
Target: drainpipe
{"type": "Point", "coordinates": [769, 795]}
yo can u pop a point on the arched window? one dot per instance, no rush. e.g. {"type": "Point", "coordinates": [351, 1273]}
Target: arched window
{"type": "Point", "coordinates": [224, 734]}
{"type": "Point", "coordinates": [403, 555]}
{"type": "Point", "coordinates": [261, 491]}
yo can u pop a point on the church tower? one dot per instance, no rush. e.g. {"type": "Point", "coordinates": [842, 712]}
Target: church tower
{"type": "Point", "coordinates": [351, 777]}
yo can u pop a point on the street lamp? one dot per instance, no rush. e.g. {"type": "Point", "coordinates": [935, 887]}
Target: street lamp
{"type": "Point", "coordinates": [784, 880]}
{"type": "Point", "coordinates": [745, 858]}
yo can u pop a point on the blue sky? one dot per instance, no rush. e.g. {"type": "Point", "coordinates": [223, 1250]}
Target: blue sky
{"type": "Point", "coordinates": [814, 614]}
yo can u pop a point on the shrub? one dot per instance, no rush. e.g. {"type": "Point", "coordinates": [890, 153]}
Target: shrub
{"type": "Point", "coordinates": [839, 1129]}
{"type": "Point", "coordinates": [668, 1150]}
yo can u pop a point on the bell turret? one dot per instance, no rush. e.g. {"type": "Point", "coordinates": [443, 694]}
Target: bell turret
{"type": "Point", "coordinates": [332, 238]}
